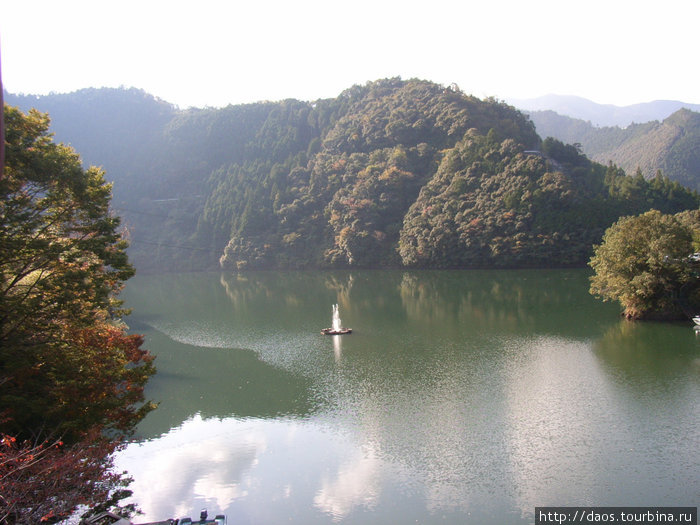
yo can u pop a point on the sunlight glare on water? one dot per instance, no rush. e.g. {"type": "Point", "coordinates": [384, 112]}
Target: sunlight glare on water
{"type": "Point", "coordinates": [460, 397]}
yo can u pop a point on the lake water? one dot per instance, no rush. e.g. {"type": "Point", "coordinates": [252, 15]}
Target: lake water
{"type": "Point", "coordinates": [460, 397]}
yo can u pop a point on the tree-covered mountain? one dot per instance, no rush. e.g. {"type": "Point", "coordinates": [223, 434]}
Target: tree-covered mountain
{"type": "Point", "coordinates": [392, 173]}
{"type": "Point", "coordinates": [672, 145]}
{"type": "Point", "coordinates": [345, 205]}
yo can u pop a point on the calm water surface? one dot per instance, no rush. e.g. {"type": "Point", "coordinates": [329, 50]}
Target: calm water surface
{"type": "Point", "coordinates": [460, 397]}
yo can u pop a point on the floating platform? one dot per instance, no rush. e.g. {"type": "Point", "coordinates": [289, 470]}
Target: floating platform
{"type": "Point", "coordinates": [331, 331]}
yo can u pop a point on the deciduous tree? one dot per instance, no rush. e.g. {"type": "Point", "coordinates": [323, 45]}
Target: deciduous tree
{"type": "Point", "coordinates": [643, 262]}
{"type": "Point", "coordinates": [68, 370]}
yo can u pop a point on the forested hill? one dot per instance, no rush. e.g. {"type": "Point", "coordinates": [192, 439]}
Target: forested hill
{"type": "Point", "coordinates": [391, 173]}
{"type": "Point", "coordinates": [671, 145]}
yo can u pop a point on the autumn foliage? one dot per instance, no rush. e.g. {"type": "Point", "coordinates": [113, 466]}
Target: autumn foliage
{"type": "Point", "coordinates": [42, 483]}
{"type": "Point", "coordinates": [71, 378]}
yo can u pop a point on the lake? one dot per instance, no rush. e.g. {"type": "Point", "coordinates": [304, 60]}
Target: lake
{"type": "Point", "coordinates": [460, 397]}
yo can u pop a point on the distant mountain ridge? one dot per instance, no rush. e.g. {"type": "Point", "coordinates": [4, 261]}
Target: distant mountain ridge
{"type": "Point", "coordinates": [93, 121]}
{"type": "Point", "coordinates": [671, 145]}
{"type": "Point", "coordinates": [602, 114]}
{"type": "Point", "coordinates": [393, 173]}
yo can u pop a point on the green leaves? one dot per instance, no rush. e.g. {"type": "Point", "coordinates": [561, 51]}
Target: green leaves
{"type": "Point", "coordinates": [643, 264]}
{"type": "Point", "coordinates": [62, 263]}
{"type": "Point", "coordinates": [349, 201]}
{"type": "Point", "coordinates": [67, 367]}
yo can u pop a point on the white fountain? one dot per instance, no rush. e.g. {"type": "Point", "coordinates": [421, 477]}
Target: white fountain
{"type": "Point", "coordinates": [336, 318]}
{"type": "Point", "coordinates": [336, 328]}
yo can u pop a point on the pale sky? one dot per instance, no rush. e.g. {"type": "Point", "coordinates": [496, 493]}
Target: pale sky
{"type": "Point", "coordinates": [216, 52]}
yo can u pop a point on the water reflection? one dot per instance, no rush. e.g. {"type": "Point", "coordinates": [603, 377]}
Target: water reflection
{"type": "Point", "coordinates": [337, 347]}
{"type": "Point", "coordinates": [218, 382]}
{"type": "Point", "coordinates": [257, 470]}
{"type": "Point", "coordinates": [459, 396]}
{"type": "Point", "coordinates": [558, 415]}
{"type": "Point", "coordinates": [199, 462]}
{"type": "Point", "coordinates": [642, 350]}
{"type": "Point", "coordinates": [354, 483]}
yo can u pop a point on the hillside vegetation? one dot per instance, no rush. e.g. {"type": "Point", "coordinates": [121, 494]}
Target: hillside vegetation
{"type": "Point", "coordinates": [672, 146]}
{"type": "Point", "coordinates": [392, 173]}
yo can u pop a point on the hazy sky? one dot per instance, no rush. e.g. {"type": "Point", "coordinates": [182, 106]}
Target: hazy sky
{"type": "Point", "coordinates": [215, 52]}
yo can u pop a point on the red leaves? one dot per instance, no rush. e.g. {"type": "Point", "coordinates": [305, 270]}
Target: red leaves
{"type": "Point", "coordinates": [113, 372]}
{"type": "Point", "coordinates": [45, 482]}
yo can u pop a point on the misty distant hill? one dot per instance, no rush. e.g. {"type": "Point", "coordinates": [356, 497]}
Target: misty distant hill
{"type": "Point", "coordinates": [602, 114]}
{"type": "Point", "coordinates": [111, 127]}
{"type": "Point", "coordinates": [671, 145]}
